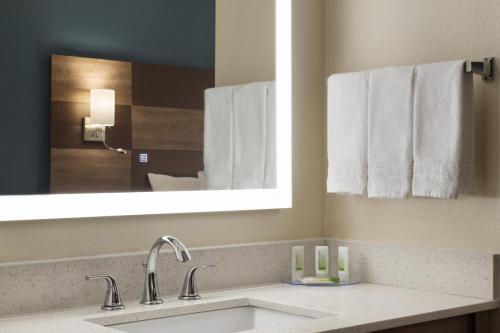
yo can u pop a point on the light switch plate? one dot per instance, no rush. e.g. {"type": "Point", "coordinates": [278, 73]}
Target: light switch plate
{"type": "Point", "coordinates": [143, 158]}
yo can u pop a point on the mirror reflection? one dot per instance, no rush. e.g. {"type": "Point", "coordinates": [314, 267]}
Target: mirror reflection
{"type": "Point", "coordinates": [183, 102]}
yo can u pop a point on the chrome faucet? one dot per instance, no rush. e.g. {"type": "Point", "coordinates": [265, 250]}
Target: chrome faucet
{"type": "Point", "coordinates": [189, 289]}
{"type": "Point", "coordinates": [112, 300]}
{"type": "Point", "coordinates": [151, 292]}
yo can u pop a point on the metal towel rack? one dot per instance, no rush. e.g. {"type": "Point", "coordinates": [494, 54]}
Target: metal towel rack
{"type": "Point", "coordinates": [485, 68]}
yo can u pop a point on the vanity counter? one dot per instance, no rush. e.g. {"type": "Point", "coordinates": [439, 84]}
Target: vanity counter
{"type": "Point", "coordinates": [355, 308]}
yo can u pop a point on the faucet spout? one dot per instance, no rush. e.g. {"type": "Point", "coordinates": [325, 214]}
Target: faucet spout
{"type": "Point", "coordinates": [151, 293]}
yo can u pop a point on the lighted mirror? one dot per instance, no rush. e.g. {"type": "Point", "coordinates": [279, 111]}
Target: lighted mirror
{"type": "Point", "coordinates": [187, 112]}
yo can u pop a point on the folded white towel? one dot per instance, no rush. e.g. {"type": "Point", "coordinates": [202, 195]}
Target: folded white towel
{"type": "Point", "coordinates": [443, 131]}
{"type": "Point", "coordinates": [218, 138]}
{"type": "Point", "coordinates": [270, 167]}
{"type": "Point", "coordinates": [250, 110]}
{"type": "Point", "coordinates": [347, 132]}
{"type": "Point", "coordinates": [390, 120]}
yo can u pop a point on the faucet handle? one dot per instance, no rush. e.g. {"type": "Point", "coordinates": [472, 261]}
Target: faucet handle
{"type": "Point", "coordinates": [189, 289]}
{"type": "Point", "coordinates": [112, 300]}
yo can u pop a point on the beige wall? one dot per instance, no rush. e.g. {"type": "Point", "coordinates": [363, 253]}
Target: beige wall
{"type": "Point", "coordinates": [245, 55]}
{"type": "Point", "coordinates": [81, 237]}
{"type": "Point", "coordinates": [359, 34]}
{"type": "Point", "coordinates": [362, 34]}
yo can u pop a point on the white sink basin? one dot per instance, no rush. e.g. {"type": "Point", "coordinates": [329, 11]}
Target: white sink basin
{"type": "Point", "coordinates": [218, 321]}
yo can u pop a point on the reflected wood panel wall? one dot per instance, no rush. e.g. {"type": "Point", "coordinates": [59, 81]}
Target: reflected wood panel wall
{"type": "Point", "coordinates": [167, 117]}
{"type": "Point", "coordinates": [159, 112]}
{"type": "Point", "coordinates": [167, 128]}
{"type": "Point", "coordinates": [170, 86]}
{"type": "Point", "coordinates": [73, 77]}
{"type": "Point", "coordinates": [77, 170]}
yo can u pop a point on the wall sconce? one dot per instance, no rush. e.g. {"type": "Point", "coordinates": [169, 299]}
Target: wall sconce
{"type": "Point", "coordinates": [102, 116]}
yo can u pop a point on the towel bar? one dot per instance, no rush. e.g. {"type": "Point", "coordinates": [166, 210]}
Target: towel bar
{"type": "Point", "coordinates": [485, 68]}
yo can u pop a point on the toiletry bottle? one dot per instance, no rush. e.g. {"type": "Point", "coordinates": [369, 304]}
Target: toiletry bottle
{"type": "Point", "coordinates": [321, 261]}
{"type": "Point", "coordinates": [297, 263]}
{"type": "Point", "coordinates": [343, 264]}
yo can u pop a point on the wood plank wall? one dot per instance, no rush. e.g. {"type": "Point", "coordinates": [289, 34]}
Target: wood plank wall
{"type": "Point", "coordinates": [159, 112]}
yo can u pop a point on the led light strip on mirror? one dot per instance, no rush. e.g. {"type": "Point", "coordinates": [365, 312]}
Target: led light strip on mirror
{"type": "Point", "coordinates": [37, 207]}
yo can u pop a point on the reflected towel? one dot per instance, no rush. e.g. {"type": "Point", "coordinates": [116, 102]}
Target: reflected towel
{"type": "Point", "coordinates": [240, 136]}
{"type": "Point", "coordinates": [270, 167]}
{"type": "Point", "coordinates": [250, 109]}
{"type": "Point", "coordinates": [218, 138]}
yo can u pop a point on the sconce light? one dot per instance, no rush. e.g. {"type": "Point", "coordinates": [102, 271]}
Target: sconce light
{"type": "Point", "coordinates": [102, 116]}
{"type": "Point", "coordinates": [102, 107]}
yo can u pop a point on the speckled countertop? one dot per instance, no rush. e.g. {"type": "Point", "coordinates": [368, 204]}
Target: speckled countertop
{"type": "Point", "coordinates": [356, 308]}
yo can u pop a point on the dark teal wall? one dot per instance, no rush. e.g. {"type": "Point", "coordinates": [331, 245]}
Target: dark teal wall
{"type": "Point", "coordinates": [180, 32]}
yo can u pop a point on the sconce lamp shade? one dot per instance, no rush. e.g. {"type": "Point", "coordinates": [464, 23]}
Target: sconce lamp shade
{"type": "Point", "coordinates": [102, 107]}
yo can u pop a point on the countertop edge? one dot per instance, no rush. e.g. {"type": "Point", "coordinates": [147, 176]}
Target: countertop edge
{"type": "Point", "coordinates": [420, 318]}
{"type": "Point", "coordinates": [349, 321]}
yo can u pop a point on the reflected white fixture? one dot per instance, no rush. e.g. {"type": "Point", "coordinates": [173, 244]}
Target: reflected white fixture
{"type": "Point", "coordinates": [102, 116]}
{"type": "Point", "coordinates": [219, 321]}
{"type": "Point", "coordinates": [161, 182]}
{"type": "Point", "coordinates": [13, 207]}
{"type": "Point", "coordinates": [102, 107]}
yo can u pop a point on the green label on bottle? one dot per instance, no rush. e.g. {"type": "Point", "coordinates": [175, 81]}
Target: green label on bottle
{"type": "Point", "coordinates": [321, 261]}
{"type": "Point", "coordinates": [298, 263]}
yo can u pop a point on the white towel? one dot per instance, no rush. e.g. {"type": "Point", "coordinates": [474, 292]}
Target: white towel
{"type": "Point", "coordinates": [218, 138]}
{"type": "Point", "coordinates": [270, 167]}
{"type": "Point", "coordinates": [250, 109]}
{"type": "Point", "coordinates": [443, 130]}
{"type": "Point", "coordinates": [347, 132]}
{"type": "Point", "coordinates": [240, 137]}
{"type": "Point", "coordinates": [390, 121]}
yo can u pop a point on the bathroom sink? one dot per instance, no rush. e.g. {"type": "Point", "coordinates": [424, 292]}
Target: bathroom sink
{"type": "Point", "coordinates": [218, 321]}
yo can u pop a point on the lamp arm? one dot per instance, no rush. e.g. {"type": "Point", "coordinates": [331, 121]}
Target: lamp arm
{"type": "Point", "coordinates": [118, 150]}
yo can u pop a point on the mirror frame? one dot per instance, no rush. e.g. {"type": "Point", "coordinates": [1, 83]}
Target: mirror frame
{"type": "Point", "coordinates": [58, 206]}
